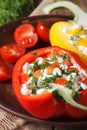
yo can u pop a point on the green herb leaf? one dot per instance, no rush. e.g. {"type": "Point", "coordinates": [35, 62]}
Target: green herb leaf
{"type": "Point", "coordinates": [56, 95]}
{"type": "Point", "coordinates": [15, 9]}
{"type": "Point", "coordinates": [69, 84]}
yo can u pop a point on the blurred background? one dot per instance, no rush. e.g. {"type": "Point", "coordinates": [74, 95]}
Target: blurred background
{"type": "Point", "coordinates": [15, 9]}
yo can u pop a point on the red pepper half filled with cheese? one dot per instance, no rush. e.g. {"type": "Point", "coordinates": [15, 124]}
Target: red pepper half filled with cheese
{"type": "Point", "coordinates": [51, 82]}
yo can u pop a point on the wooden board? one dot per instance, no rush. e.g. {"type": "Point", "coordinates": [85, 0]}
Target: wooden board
{"type": "Point", "coordinates": [38, 10]}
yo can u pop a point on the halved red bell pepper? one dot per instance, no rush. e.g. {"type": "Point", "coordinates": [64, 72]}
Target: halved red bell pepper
{"type": "Point", "coordinates": [45, 105]}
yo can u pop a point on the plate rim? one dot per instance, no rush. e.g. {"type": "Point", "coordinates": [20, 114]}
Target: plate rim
{"type": "Point", "coordinates": [32, 118]}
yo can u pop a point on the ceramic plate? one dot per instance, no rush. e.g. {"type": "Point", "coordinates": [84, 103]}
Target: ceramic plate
{"type": "Point", "coordinates": [8, 100]}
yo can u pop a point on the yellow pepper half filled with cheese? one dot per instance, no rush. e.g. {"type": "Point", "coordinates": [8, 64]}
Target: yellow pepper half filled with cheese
{"type": "Point", "coordinates": [71, 35]}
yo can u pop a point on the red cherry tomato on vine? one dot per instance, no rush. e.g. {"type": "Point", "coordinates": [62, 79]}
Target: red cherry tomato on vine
{"type": "Point", "coordinates": [11, 52]}
{"type": "Point", "coordinates": [5, 71]}
{"type": "Point", "coordinates": [25, 35]}
{"type": "Point", "coordinates": [43, 32]}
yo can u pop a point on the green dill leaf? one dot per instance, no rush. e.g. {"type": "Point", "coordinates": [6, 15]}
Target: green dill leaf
{"type": "Point", "coordinates": [63, 70]}
{"type": "Point", "coordinates": [36, 66]}
{"type": "Point", "coordinates": [47, 80]}
{"type": "Point", "coordinates": [66, 57]}
{"type": "Point", "coordinates": [54, 58]}
{"type": "Point", "coordinates": [44, 65]}
{"type": "Point", "coordinates": [69, 84]}
{"type": "Point", "coordinates": [34, 53]}
{"type": "Point", "coordinates": [76, 95]}
{"type": "Point", "coordinates": [31, 73]}
{"type": "Point", "coordinates": [74, 38]}
{"type": "Point", "coordinates": [34, 82]}
{"type": "Point", "coordinates": [15, 9]}
{"type": "Point", "coordinates": [34, 90]}
{"type": "Point", "coordinates": [56, 95]}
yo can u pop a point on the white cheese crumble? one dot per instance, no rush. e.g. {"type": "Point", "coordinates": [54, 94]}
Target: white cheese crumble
{"type": "Point", "coordinates": [74, 34]}
{"type": "Point", "coordinates": [60, 71]}
{"type": "Point", "coordinates": [39, 91]}
{"type": "Point", "coordinates": [25, 90]}
{"type": "Point", "coordinates": [27, 67]}
{"type": "Point", "coordinates": [83, 49]}
{"type": "Point", "coordinates": [57, 71]}
{"type": "Point", "coordinates": [40, 60]}
{"type": "Point", "coordinates": [64, 66]}
{"type": "Point", "coordinates": [71, 77]}
{"type": "Point", "coordinates": [83, 86]}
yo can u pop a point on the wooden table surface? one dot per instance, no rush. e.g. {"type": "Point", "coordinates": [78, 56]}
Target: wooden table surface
{"type": "Point", "coordinates": [8, 121]}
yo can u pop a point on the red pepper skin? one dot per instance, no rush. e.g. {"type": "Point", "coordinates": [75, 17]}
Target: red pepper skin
{"type": "Point", "coordinates": [43, 105]}
{"type": "Point", "coordinates": [77, 113]}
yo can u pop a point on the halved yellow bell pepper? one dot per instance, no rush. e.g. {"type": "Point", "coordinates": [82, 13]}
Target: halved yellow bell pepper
{"type": "Point", "coordinates": [70, 35]}
{"type": "Point", "coordinates": [59, 38]}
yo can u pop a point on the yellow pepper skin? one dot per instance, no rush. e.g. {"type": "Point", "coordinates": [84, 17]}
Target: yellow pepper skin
{"type": "Point", "coordinates": [59, 37]}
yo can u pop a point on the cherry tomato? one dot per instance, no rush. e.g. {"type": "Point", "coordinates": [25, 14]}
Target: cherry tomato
{"type": "Point", "coordinates": [5, 71]}
{"type": "Point", "coordinates": [25, 35]}
{"type": "Point", "coordinates": [11, 52]}
{"type": "Point", "coordinates": [43, 32]}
